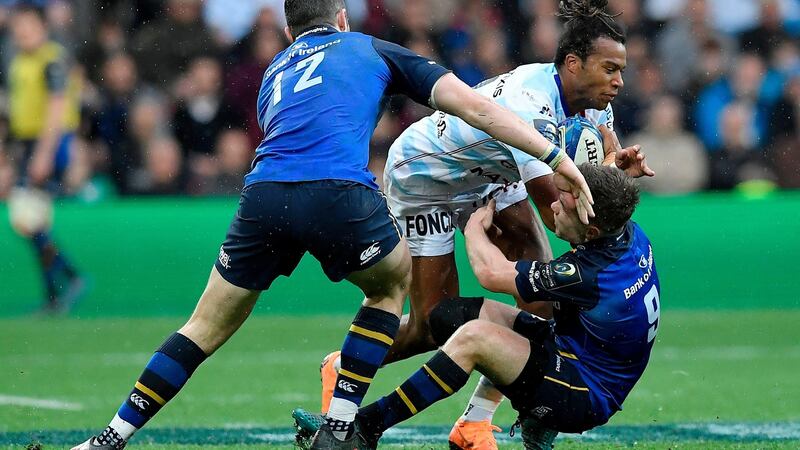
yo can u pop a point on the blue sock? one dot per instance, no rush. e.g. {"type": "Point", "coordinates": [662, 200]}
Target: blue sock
{"type": "Point", "coordinates": [439, 378]}
{"type": "Point", "coordinates": [165, 374]}
{"type": "Point", "coordinates": [363, 351]}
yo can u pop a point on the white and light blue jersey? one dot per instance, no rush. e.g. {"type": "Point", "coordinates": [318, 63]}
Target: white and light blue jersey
{"type": "Point", "coordinates": [441, 155]}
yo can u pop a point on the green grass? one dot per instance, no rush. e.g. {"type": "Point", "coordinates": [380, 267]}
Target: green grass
{"type": "Point", "coordinates": [708, 367]}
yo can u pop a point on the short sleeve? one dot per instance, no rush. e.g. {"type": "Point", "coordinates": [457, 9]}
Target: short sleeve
{"type": "Point", "coordinates": [561, 280]}
{"type": "Point", "coordinates": [56, 74]}
{"type": "Point", "coordinates": [412, 75]}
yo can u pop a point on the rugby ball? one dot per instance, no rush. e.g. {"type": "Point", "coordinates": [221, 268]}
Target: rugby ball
{"type": "Point", "coordinates": [582, 141]}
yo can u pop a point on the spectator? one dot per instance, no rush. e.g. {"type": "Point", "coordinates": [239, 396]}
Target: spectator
{"type": "Point", "coordinates": [110, 121]}
{"type": "Point", "coordinates": [224, 173]}
{"type": "Point", "coordinates": [784, 152]}
{"type": "Point", "coordinates": [202, 112]}
{"type": "Point", "coordinates": [750, 82]}
{"type": "Point", "coordinates": [162, 173]}
{"type": "Point", "coordinates": [739, 159]}
{"type": "Point", "coordinates": [679, 46]}
{"type": "Point", "coordinates": [164, 49]}
{"type": "Point", "coordinates": [244, 78]}
{"type": "Point", "coordinates": [677, 156]}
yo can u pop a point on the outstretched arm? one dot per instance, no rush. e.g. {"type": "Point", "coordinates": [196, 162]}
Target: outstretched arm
{"type": "Point", "coordinates": [452, 96]}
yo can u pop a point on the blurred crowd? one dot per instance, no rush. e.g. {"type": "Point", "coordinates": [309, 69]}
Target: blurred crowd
{"type": "Point", "coordinates": [169, 88]}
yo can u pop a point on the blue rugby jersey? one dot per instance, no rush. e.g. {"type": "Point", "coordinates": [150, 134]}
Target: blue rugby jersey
{"type": "Point", "coordinates": [606, 310]}
{"type": "Point", "coordinates": [321, 98]}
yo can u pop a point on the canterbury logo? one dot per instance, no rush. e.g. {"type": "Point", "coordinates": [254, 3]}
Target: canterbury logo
{"type": "Point", "coordinates": [137, 400]}
{"type": "Point", "coordinates": [370, 253]}
{"type": "Point", "coordinates": [347, 386]}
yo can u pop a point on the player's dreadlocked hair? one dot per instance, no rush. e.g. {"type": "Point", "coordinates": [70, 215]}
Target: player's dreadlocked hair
{"type": "Point", "coordinates": [615, 196]}
{"type": "Point", "coordinates": [301, 14]}
{"type": "Point", "coordinates": [585, 21]}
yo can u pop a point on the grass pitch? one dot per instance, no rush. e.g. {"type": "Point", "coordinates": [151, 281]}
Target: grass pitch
{"type": "Point", "coordinates": [716, 380]}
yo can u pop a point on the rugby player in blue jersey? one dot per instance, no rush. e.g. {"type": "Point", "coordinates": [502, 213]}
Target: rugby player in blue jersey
{"type": "Point", "coordinates": [570, 374]}
{"type": "Point", "coordinates": [309, 190]}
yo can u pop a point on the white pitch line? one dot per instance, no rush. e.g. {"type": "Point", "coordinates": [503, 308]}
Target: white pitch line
{"type": "Point", "coordinates": [43, 403]}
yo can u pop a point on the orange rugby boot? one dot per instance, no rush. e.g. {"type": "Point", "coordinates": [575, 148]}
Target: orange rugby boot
{"type": "Point", "coordinates": [328, 372]}
{"type": "Point", "coordinates": [473, 435]}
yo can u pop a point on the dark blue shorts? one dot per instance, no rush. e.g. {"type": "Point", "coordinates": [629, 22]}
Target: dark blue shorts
{"type": "Point", "coordinates": [550, 388]}
{"type": "Point", "coordinates": [346, 226]}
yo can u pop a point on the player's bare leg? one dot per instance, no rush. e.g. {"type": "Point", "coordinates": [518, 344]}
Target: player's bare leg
{"type": "Point", "coordinates": [385, 286]}
{"type": "Point", "coordinates": [221, 310]}
{"type": "Point", "coordinates": [433, 278]}
{"type": "Point", "coordinates": [522, 237]}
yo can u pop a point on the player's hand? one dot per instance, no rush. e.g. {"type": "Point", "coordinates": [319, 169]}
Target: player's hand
{"type": "Point", "coordinates": [631, 159]}
{"type": "Point", "coordinates": [40, 168]}
{"type": "Point", "coordinates": [578, 187]}
{"type": "Point", "coordinates": [483, 216]}
{"type": "Point", "coordinates": [633, 162]}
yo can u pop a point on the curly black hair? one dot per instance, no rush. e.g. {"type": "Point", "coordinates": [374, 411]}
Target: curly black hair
{"type": "Point", "coordinates": [585, 21]}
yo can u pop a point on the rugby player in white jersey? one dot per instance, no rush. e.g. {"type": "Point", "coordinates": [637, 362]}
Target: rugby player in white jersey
{"type": "Point", "coordinates": [440, 170]}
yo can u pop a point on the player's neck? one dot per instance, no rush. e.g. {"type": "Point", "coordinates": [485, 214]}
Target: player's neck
{"type": "Point", "coordinates": [571, 98]}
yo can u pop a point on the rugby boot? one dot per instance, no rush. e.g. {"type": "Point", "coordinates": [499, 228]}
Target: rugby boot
{"type": "Point", "coordinates": [325, 440]}
{"type": "Point", "coordinates": [328, 372]}
{"type": "Point", "coordinates": [91, 445]}
{"type": "Point", "coordinates": [306, 425]}
{"type": "Point", "coordinates": [473, 435]}
{"type": "Point", "coordinates": [536, 436]}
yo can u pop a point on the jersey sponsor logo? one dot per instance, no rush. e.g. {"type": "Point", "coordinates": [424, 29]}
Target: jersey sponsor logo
{"type": "Point", "coordinates": [347, 386]}
{"type": "Point", "coordinates": [137, 400]}
{"type": "Point", "coordinates": [224, 258]}
{"type": "Point", "coordinates": [641, 281]}
{"type": "Point", "coordinates": [298, 51]}
{"type": "Point", "coordinates": [370, 253]}
{"type": "Point", "coordinates": [441, 125]}
{"type": "Point", "coordinates": [498, 90]}
{"type": "Point", "coordinates": [425, 224]}
{"type": "Point", "coordinates": [558, 364]}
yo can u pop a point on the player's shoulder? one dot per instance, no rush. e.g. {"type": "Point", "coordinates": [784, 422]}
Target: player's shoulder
{"type": "Point", "coordinates": [534, 84]}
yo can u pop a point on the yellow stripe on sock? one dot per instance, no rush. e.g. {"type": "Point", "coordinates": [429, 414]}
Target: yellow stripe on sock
{"type": "Point", "coordinates": [372, 334]}
{"type": "Point", "coordinates": [150, 393]}
{"type": "Point", "coordinates": [438, 380]}
{"type": "Point", "coordinates": [354, 376]}
{"type": "Point", "coordinates": [405, 399]}
{"type": "Point", "coordinates": [574, 388]}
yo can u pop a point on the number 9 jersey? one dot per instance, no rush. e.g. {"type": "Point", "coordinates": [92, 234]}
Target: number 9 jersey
{"type": "Point", "coordinates": [321, 98]}
{"type": "Point", "coordinates": [606, 310]}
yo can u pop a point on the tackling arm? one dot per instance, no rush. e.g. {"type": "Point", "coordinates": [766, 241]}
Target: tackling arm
{"type": "Point", "coordinates": [493, 270]}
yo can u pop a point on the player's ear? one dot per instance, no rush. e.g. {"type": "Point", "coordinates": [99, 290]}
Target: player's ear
{"type": "Point", "coordinates": [572, 62]}
{"type": "Point", "coordinates": [341, 20]}
{"type": "Point", "coordinates": [592, 232]}
{"type": "Point", "coordinates": [288, 33]}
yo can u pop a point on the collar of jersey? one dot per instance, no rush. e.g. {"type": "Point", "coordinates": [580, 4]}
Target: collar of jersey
{"type": "Point", "coordinates": [615, 240]}
{"type": "Point", "coordinates": [561, 96]}
{"type": "Point", "coordinates": [316, 29]}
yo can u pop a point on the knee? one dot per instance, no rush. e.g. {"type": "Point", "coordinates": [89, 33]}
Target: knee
{"type": "Point", "coordinates": [469, 337]}
{"type": "Point", "coordinates": [451, 314]}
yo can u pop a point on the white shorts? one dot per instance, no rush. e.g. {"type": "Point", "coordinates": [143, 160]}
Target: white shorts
{"type": "Point", "coordinates": [429, 224]}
